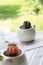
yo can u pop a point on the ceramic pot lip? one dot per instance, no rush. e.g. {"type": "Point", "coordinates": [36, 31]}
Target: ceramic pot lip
{"type": "Point", "coordinates": [32, 27]}
{"type": "Point", "coordinates": [13, 56]}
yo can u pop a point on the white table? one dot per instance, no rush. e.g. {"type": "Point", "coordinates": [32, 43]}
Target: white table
{"type": "Point", "coordinates": [29, 55]}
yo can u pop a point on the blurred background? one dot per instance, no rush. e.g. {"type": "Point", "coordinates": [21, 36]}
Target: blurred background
{"type": "Point", "coordinates": [14, 12]}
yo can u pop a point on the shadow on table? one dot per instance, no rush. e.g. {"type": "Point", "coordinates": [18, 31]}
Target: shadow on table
{"type": "Point", "coordinates": [21, 61]}
{"type": "Point", "coordinates": [33, 41]}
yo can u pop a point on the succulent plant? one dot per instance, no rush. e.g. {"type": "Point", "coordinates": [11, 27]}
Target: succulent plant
{"type": "Point", "coordinates": [26, 24]}
{"type": "Point", "coordinates": [13, 49]}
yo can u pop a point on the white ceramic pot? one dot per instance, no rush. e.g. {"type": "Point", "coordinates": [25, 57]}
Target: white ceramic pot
{"type": "Point", "coordinates": [12, 60]}
{"type": "Point", "coordinates": [26, 34]}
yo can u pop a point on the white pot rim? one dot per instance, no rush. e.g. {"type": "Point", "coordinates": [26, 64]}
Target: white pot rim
{"type": "Point", "coordinates": [32, 27]}
{"type": "Point", "coordinates": [13, 57]}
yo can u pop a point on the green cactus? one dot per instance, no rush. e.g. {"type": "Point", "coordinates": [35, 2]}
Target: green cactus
{"type": "Point", "coordinates": [26, 24]}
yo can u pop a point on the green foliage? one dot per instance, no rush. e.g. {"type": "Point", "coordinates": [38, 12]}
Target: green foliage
{"type": "Point", "coordinates": [41, 2]}
{"type": "Point", "coordinates": [37, 10]}
{"type": "Point", "coordinates": [9, 11]}
{"type": "Point", "coordinates": [12, 11]}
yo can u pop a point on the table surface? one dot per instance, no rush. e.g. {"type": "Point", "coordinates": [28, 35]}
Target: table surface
{"type": "Point", "coordinates": [30, 54]}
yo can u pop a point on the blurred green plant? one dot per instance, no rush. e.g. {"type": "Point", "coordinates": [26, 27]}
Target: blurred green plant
{"type": "Point", "coordinates": [36, 10]}
{"type": "Point", "coordinates": [41, 2]}
{"type": "Point", "coordinates": [9, 11]}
